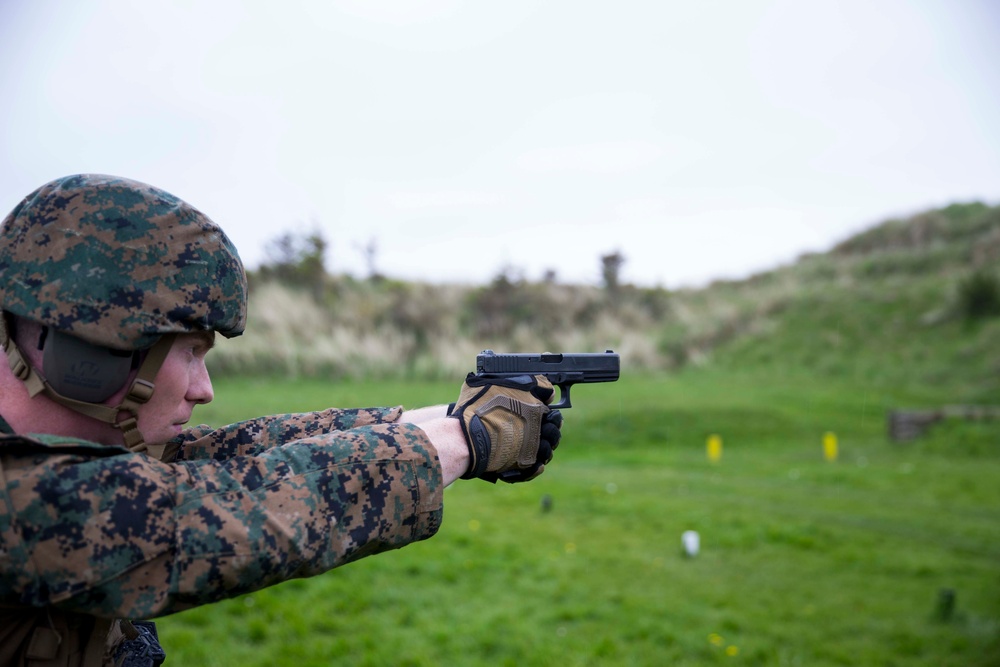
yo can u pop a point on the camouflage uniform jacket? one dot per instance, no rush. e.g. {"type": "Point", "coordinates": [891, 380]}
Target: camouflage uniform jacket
{"type": "Point", "coordinates": [99, 531]}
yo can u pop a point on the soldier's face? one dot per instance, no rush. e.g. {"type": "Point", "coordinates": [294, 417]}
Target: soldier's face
{"type": "Point", "coordinates": [181, 384]}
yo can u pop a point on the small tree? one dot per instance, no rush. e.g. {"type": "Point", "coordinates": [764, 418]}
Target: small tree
{"type": "Point", "coordinates": [297, 259]}
{"type": "Point", "coordinates": [495, 309]}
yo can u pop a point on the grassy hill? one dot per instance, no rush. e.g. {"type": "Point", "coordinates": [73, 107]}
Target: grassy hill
{"type": "Point", "coordinates": [890, 305]}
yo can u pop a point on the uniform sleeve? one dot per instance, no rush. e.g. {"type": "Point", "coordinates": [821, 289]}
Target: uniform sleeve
{"type": "Point", "coordinates": [255, 435]}
{"type": "Point", "coordinates": [134, 537]}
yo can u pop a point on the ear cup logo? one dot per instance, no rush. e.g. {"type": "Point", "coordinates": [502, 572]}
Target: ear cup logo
{"type": "Point", "coordinates": [84, 374]}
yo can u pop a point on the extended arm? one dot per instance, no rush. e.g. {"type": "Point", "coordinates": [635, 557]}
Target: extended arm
{"type": "Point", "coordinates": [145, 538]}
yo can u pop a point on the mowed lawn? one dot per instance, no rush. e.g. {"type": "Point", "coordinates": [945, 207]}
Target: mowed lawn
{"type": "Point", "coordinates": [887, 555]}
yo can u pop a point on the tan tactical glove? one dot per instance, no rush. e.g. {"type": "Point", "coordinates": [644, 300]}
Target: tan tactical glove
{"type": "Point", "coordinates": [508, 426]}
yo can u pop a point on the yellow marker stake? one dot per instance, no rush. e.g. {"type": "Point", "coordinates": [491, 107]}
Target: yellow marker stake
{"type": "Point", "coordinates": [830, 446]}
{"type": "Point", "coordinates": [714, 448]}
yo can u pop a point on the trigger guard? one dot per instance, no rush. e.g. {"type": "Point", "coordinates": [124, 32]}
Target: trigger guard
{"type": "Point", "coordinates": [563, 398]}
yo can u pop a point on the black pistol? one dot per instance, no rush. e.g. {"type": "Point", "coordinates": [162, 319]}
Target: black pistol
{"type": "Point", "coordinates": [562, 370]}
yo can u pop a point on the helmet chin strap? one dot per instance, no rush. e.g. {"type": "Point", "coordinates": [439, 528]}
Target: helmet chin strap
{"type": "Point", "coordinates": [123, 416]}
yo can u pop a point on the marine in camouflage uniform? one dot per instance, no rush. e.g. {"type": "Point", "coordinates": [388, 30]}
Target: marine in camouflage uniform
{"type": "Point", "coordinates": [92, 532]}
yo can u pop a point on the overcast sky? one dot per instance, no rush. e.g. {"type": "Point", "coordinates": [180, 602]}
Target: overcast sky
{"type": "Point", "coordinates": [699, 139]}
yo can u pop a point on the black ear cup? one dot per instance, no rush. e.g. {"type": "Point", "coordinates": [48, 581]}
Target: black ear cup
{"type": "Point", "coordinates": [82, 371]}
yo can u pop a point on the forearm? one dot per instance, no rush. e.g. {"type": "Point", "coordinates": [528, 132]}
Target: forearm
{"type": "Point", "coordinates": [324, 502]}
{"type": "Point", "coordinates": [420, 415]}
{"type": "Point", "coordinates": [446, 435]}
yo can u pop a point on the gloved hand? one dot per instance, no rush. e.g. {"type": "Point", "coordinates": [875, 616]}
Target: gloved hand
{"type": "Point", "coordinates": [551, 425]}
{"type": "Point", "coordinates": [508, 426]}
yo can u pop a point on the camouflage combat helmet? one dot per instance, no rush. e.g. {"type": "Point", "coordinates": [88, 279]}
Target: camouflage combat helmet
{"type": "Point", "coordinates": [120, 265]}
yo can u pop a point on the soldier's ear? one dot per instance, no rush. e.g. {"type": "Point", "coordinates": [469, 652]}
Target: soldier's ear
{"type": "Point", "coordinates": [80, 370]}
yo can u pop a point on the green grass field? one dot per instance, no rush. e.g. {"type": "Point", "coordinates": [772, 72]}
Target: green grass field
{"type": "Point", "coordinates": [803, 561]}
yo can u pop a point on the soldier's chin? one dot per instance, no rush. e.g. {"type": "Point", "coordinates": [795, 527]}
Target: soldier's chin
{"type": "Point", "coordinates": [163, 434]}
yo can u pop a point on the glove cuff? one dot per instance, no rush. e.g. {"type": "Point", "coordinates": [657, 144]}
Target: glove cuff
{"type": "Point", "coordinates": [477, 439]}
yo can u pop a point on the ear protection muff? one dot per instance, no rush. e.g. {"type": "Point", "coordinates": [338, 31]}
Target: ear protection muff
{"type": "Point", "coordinates": [83, 371]}
{"type": "Point", "coordinates": [92, 373]}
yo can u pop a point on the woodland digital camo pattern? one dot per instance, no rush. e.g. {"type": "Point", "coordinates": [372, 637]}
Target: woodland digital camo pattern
{"type": "Point", "coordinates": [102, 531]}
{"type": "Point", "coordinates": [119, 263]}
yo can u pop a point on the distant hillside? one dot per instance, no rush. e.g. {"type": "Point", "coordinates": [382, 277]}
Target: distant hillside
{"type": "Point", "coordinates": [887, 305]}
{"type": "Point", "coordinates": [948, 238]}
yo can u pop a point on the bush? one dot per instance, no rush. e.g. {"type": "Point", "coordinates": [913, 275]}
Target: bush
{"type": "Point", "coordinates": [979, 295]}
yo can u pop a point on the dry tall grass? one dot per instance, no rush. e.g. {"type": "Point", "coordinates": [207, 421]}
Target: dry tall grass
{"type": "Point", "coordinates": [358, 330]}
